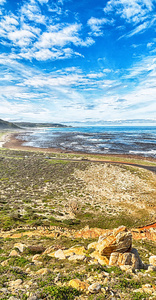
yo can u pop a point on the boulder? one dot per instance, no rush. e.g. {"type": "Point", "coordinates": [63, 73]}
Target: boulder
{"type": "Point", "coordinates": [94, 288]}
{"type": "Point", "coordinates": [59, 254]}
{"type": "Point", "coordinates": [43, 271]}
{"type": "Point", "coordinates": [78, 284]}
{"type": "Point", "coordinates": [102, 260]}
{"type": "Point", "coordinates": [5, 262]}
{"type": "Point", "coordinates": [76, 257]}
{"type": "Point", "coordinates": [123, 259]}
{"type": "Point", "coordinates": [14, 253]}
{"type": "Point", "coordinates": [152, 260]}
{"type": "Point", "coordinates": [151, 268]}
{"type": "Point", "coordinates": [120, 240]}
{"type": "Point", "coordinates": [74, 250]}
{"type": "Point", "coordinates": [20, 247]}
{"type": "Point", "coordinates": [36, 249]}
{"type": "Point", "coordinates": [15, 283]}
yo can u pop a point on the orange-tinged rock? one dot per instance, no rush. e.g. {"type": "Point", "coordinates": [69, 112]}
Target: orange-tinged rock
{"type": "Point", "coordinates": [142, 233]}
{"type": "Point", "coordinates": [43, 271]}
{"type": "Point", "coordinates": [113, 260]}
{"type": "Point", "coordinates": [36, 257]}
{"type": "Point", "coordinates": [103, 260]}
{"type": "Point", "coordinates": [120, 240]}
{"type": "Point", "coordinates": [14, 253]}
{"type": "Point", "coordinates": [74, 250]}
{"type": "Point", "coordinates": [52, 254]}
{"type": "Point", "coordinates": [123, 259]}
{"type": "Point", "coordinates": [90, 232]}
{"type": "Point", "coordinates": [152, 260]}
{"type": "Point", "coordinates": [78, 284]}
{"type": "Point", "coordinates": [92, 245]}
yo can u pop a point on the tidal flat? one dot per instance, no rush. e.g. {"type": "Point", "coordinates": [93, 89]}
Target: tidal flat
{"type": "Point", "coordinates": [45, 199]}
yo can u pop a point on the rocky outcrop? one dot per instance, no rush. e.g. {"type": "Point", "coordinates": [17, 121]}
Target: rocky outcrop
{"type": "Point", "coordinates": [123, 259]}
{"type": "Point", "coordinates": [120, 240]}
{"type": "Point", "coordinates": [144, 233]}
{"type": "Point", "coordinates": [148, 232]}
{"type": "Point", "coordinates": [114, 248]}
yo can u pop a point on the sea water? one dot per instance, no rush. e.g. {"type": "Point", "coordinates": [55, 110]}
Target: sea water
{"type": "Point", "coordinates": [138, 140]}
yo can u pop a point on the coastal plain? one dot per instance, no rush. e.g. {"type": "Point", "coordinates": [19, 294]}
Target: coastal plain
{"type": "Point", "coordinates": [48, 198]}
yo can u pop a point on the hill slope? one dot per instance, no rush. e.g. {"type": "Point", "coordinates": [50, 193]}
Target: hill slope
{"type": "Point", "coordinates": [7, 125]}
{"type": "Point", "coordinates": [34, 125]}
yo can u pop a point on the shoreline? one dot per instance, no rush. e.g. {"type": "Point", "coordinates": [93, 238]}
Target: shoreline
{"type": "Point", "coordinates": [11, 142]}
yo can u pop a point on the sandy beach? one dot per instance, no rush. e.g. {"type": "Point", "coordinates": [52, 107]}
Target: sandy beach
{"type": "Point", "coordinates": [4, 138]}
{"type": "Point", "coordinates": [10, 141]}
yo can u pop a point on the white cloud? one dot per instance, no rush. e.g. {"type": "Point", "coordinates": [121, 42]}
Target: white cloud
{"type": "Point", "coordinates": [96, 25]}
{"type": "Point", "coordinates": [45, 54]}
{"type": "Point", "coordinates": [132, 11]}
{"type": "Point", "coordinates": [141, 28]}
{"type": "Point", "coordinates": [7, 25]}
{"type": "Point", "coordinates": [2, 2]}
{"type": "Point", "coordinates": [50, 40]}
{"type": "Point", "coordinates": [21, 38]}
{"type": "Point", "coordinates": [43, 1]}
{"type": "Point", "coordinates": [61, 37]}
{"type": "Point", "coordinates": [32, 12]}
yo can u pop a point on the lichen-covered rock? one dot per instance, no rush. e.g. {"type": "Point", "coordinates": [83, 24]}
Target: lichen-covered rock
{"type": "Point", "coordinates": [43, 271]}
{"type": "Point", "coordinates": [129, 258]}
{"type": "Point", "coordinates": [15, 283]}
{"type": "Point", "coordinates": [152, 260]}
{"type": "Point", "coordinates": [136, 260]}
{"type": "Point", "coordinates": [94, 288]}
{"type": "Point", "coordinates": [14, 253]}
{"type": "Point", "coordinates": [59, 254]}
{"type": "Point", "coordinates": [78, 284]}
{"type": "Point", "coordinates": [76, 257]}
{"type": "Point", "coordinates": [92, 245]}
{"type": "Point", "coordinates": [120, 240]}
{"type": "Point", "coordinates": [74, 250]}
{"type": "Point", "coordinates": [5, 262]}
{"type": "Point", "coordinates": [20, 247]}
{"type": "Point", "coordinates": [102, 260]}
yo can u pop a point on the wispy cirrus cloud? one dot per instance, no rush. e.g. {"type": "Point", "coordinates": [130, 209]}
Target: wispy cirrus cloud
{"type": "Point", "coordinates": [140, 14]}
{"type": "Point", "coordinates": [140, 28]}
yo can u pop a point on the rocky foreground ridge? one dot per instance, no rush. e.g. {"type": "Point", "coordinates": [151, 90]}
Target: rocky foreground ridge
{"type": "Point", "coordinates": [146, 232]}
{"type": "Point", "coordinates": [108, 268]}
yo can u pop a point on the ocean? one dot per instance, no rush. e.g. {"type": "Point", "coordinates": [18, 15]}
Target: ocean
{"type": "Point", "coordinates": [134, 140]}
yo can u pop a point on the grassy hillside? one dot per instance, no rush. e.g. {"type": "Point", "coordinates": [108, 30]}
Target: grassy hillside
{"type": "Point", "coordinates": [7, 125]}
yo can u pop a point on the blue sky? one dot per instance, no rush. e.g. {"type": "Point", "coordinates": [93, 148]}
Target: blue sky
{"type": "Point", "coordinates": [86, 61]}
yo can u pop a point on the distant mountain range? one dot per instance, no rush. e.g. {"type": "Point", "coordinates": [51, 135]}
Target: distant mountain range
{"type": "Point", "coordinates": [21, 125]}
{"type": "Point", "coordinates": [35, 125]}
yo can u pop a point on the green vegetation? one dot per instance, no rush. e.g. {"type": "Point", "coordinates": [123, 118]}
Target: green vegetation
{"type": "Point", "coordinates": [61, 293]}
{"type": "Point", "coordinates": [7, 125]}
{"type": "Point", "coordinates": [43, 201]}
